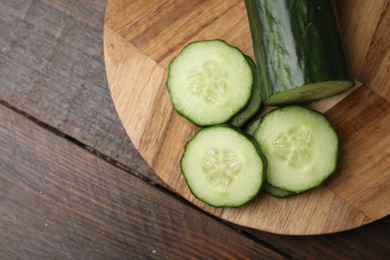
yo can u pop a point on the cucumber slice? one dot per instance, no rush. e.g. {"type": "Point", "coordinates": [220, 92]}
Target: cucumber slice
{"type": "Point", "coordinates": [209, 82]}
{"type": "Point", "coordinates": [276, 192]}
{"type": "Point", "coordinates": [255, 102]}
{"type": "Point", "coordinates": [300, 145]}
{"type": "Point", "coordinates": [223, 166]}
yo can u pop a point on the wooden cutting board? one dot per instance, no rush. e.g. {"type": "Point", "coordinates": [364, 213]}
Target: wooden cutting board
{"type": "Point", "coordinates": [140, 39]}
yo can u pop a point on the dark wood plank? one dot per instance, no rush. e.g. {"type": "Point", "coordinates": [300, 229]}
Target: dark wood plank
{"type": "Point", "coordinates": [59, 200]}
{"type": "Point", "coordinates": [51, 66]}
{"type": "Point", "coordinates": [366, 242]}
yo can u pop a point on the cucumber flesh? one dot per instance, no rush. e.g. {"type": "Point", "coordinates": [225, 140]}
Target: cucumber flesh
{"type": "Point", "coordinates": [308, 92]}
{"type": "Point", "coordinates": [209, 82]}
{"type": "Point", "coordinates": [300, 145]}
{"type": "Point", "coordinates": [223, 166]}
{"type": "Point", "coordinates": [255, 102]}
{"type": "Point", "coordinates": [276, 192]}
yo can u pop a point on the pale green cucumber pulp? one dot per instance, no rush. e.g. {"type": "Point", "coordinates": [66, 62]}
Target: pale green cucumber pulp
{"type": "Point", "coordinates": [301, 147]}
{"type": "Point", "coordinates": [223, 166]}
{"type": "Point", "coordinates": [209, 82]}
{"type": "Point", "coordinates": [276, 192]}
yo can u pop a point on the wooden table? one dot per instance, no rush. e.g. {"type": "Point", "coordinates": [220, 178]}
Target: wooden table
{"type": "Point", "coordinates": [72, 184]}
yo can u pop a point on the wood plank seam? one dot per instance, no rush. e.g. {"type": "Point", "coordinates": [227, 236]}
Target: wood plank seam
{"type": "Point", "coordinates": [367, 54]}
{"type": "Point", "coordinates": [352, 205]}
{"type": "Point", "coordinates": [126, 169]}
{"type": "Point", "coordinates": [135, 47]}
{"type": "Point", "coordinates": [79, 143]}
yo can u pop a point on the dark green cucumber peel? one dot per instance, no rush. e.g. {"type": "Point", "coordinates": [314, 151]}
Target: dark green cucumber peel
{"type": "Point", "coordinates": [256, 147]}
{"type": "Point", "coordinates": [253, 127]}
{"type": "Point", "coordinates": [332, 143]}
{"type": "Point", "coordinates": [233, 111]}
{"type": "Point", "coordinates": [298, 49]}
{"type": "Point", "coordinates": [255, 102]}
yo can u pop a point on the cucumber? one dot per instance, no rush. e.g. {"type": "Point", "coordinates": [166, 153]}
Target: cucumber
{"type": "Point", "coordinates": [276, 192]}
{"type": "Point", "coordinates": [223, 166]}
{"type": "Point", "coordinates": [209, 82]}
{"type": "Point", "coordinates": [298, 50]}
{"type": "Point", "coordinates": [300, 145]}
{"type": "Point", "coordinates": [255, 102]}
{"type": "Point", "coordinates": [253, 126]}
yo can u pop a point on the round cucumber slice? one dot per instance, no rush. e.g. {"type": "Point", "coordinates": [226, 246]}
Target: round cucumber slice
{"type": "Point", "coordinates": [300, 145]}
{"type": "Point", "coordinates": [209, 82]}
{"type": "Point", "coordinates": [223, 166]}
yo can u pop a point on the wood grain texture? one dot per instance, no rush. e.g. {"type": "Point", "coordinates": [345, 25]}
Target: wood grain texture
{"type": "Point", "coordinates": [57, 201]}
{"type": "Point", "coordinates": [92, 120]}
{"type": "Point", "coordinates": [365, 29]}
{"type": "Point", "coordinates": [366, 242]}
{"type": "Point", "coordinates": [52, 68]}
{"type": "Point", "coordinates": [330, 208]}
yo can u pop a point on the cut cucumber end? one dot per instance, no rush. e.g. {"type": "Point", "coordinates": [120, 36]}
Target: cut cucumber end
{"type": "Point", "coordinates": [223, 166]}
{"type": "Point", "coordinates": [308, 93]}
{"type": "Point", "coordinates": [300, 145]}
{"type": "Point", "coordinates": [209, 82]}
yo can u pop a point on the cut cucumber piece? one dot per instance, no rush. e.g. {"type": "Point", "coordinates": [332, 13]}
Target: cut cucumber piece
{"type": "Point", "coordinates": [255, 102]}
{"type": "Point", "coordinates": [223, 166]}
{"type": "Point", "coordinates": [209, 82]}
{"type": "Point", "coordinates": [300, 145]}
{"type": "Point", "coordinates": [276, 192]}
{"type": "Point", "coordinates": [298, 50]}
{"type": "Point", "coordinates": [253, 126]}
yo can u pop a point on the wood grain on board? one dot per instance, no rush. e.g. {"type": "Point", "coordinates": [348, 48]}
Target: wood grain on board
{"type": "Point", "coordinates": [138, 48]}
{"type": "Point", "coordinates": [365, 29]}
{"type": "Point", "coordinates": [51, 70]}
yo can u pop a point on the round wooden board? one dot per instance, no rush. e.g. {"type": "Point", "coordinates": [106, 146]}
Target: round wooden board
{"type": "Point", "coordinates": [140, 39]}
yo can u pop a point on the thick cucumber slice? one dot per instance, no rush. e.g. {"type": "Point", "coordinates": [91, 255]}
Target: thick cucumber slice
{"type": "Point", "coordinates": [300, 145]}
{"type": "Point", "coordinates": [298, 49]}
{"type": "Point", "coordinates": [209, 82]}
{"type": "Point", "coordinates": [255, 102]}
{"type": "Point", "coordinates": [223, 166]}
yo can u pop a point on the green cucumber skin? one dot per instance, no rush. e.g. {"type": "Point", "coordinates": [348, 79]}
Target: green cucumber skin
{"type": "Point", "coordinates": [255, 144]}
{"type": "Point", "coordinates": [295, 43]}
{"type": "Point", "coordinates": [277, 192]}
{"type": "Point", "coordinates": [337, 150]}
{"type": "Point", "coordinates": [255, 102]}
{"type": "Point", "coordinates": [253, 126]}
{"type": "Point", "coordinates": [189, 117]}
